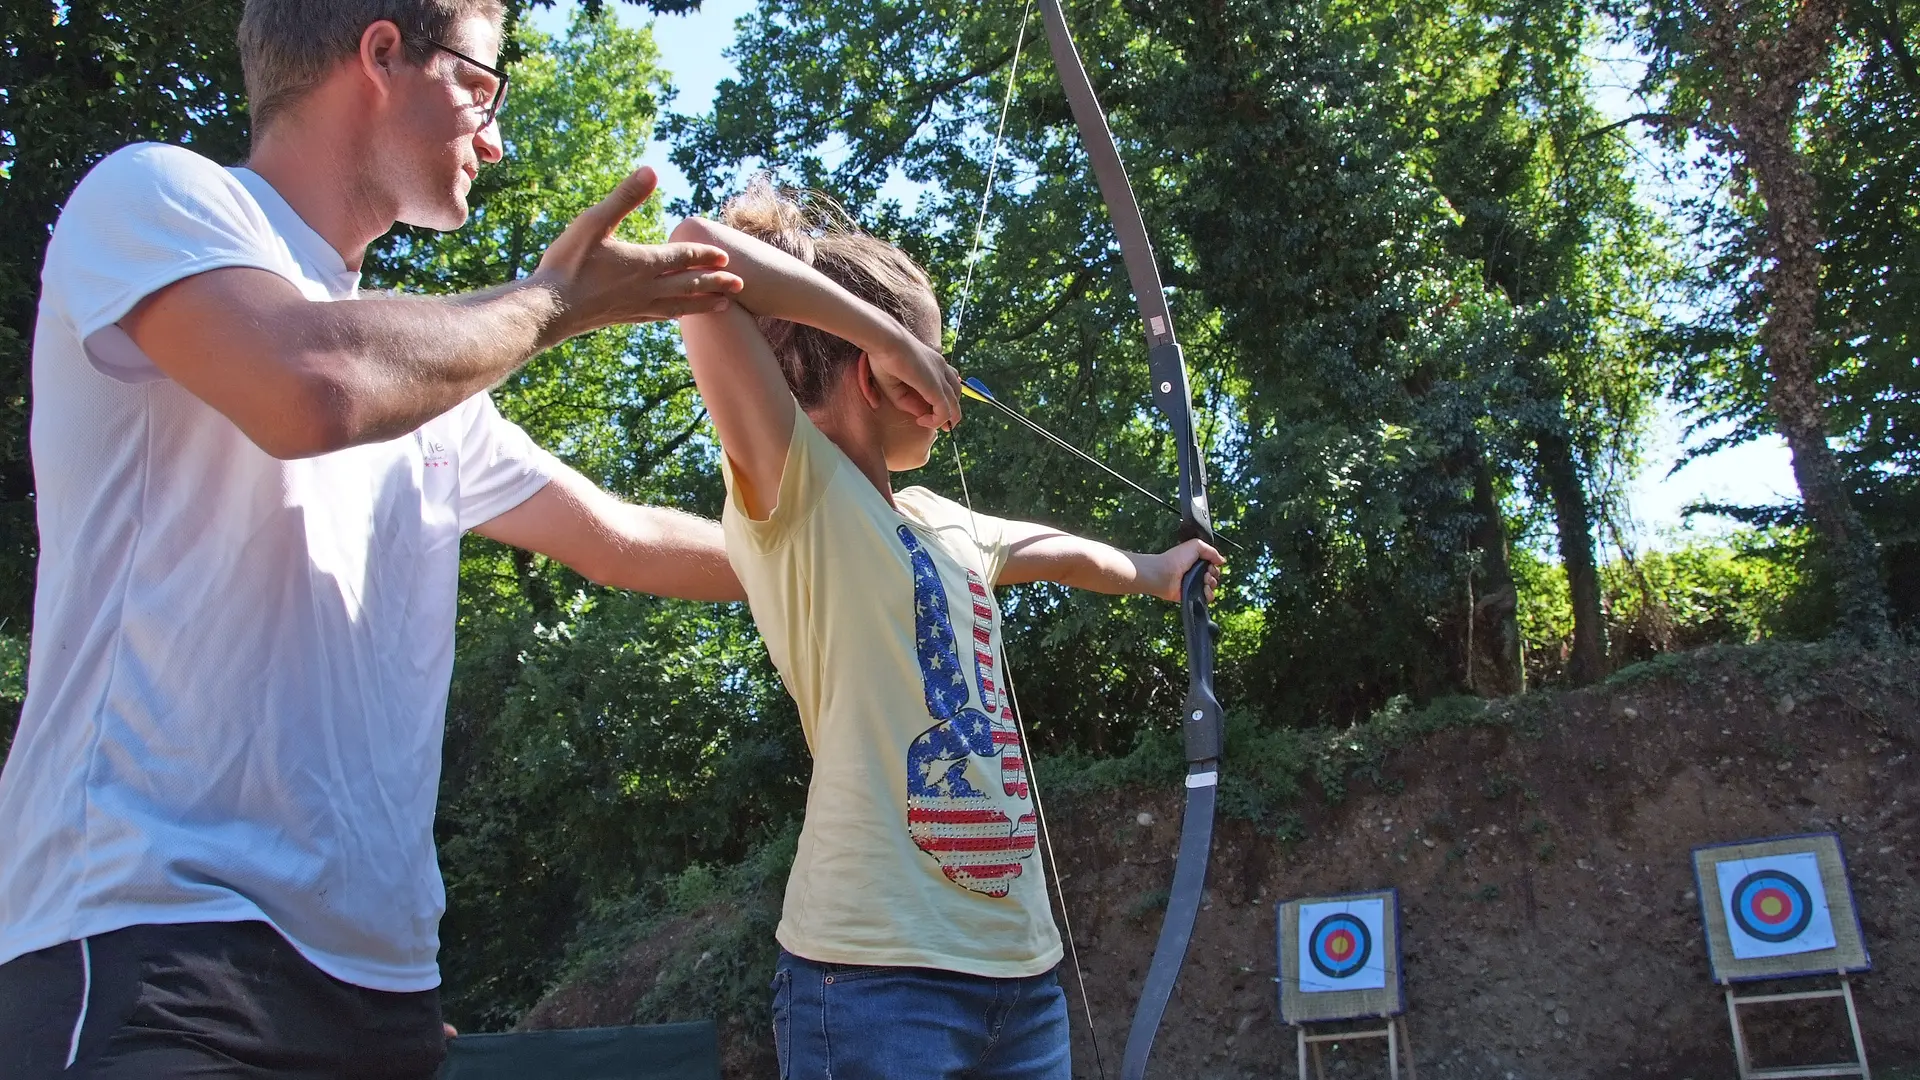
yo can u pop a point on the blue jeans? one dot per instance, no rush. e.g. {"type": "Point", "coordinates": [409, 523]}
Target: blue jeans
{"type": "Point", "coordinates": [839, 1022]}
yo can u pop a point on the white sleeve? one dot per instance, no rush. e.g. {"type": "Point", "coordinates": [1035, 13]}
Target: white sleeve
{"type": "Point", "coordinates": [143, 218]}
{"type": "Point", "coordinates": [500, 467]}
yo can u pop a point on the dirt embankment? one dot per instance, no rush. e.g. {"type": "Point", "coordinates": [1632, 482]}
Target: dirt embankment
{"type": "Point", "coordinates": [1550, 926]}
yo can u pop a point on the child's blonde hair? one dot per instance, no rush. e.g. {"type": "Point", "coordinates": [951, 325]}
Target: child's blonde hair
{"type": "Point", "coordinates": [814, 229]}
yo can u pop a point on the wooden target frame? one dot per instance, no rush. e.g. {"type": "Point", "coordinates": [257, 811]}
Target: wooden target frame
{"type": "Point", "coordinates": [1301, 1008]}
{"type": "Point", "coordinates": [1846, 958]}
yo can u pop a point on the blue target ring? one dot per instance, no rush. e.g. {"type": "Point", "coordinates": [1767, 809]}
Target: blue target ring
{"type": "Point", "coordinates": [1771, 906]}
{"type": "Point", "coordinates": [1339, 946]}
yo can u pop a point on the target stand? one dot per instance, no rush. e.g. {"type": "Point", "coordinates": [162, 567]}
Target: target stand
{"type": "Point", "coordinates": [1339, 963]}
{"type": "Point", "coordinates": [1782, 908]}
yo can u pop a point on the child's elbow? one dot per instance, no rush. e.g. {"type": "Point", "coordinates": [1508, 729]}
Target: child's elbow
{"type": "Point", "coordinates": [696, 230]}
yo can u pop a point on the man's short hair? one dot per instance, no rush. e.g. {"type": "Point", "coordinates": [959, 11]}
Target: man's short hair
{"type": "Point", "coordinates": [287, 46]}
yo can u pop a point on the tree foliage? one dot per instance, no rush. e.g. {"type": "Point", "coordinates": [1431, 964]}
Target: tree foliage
{"type": "Point", "coordinates": [1418, 288]}
{"type": "Point", "coordinates": [1800, 103]}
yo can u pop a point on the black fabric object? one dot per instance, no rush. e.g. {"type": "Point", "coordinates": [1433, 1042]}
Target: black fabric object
{"type": "Point", "coordinates": [204, 1001]}
{"type": "Point", "coordinates": [689, 1051]}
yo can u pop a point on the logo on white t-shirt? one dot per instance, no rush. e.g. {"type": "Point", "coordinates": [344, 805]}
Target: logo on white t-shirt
{"type": "Point", "coordinates": [437, 454]}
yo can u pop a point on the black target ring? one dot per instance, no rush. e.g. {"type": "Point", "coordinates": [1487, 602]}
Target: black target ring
{"type": "Point", "coordinates": [1771, 906]}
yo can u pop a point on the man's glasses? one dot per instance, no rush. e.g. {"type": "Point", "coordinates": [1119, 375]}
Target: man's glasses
{"type": "Point", "coordinates": [499, 86]}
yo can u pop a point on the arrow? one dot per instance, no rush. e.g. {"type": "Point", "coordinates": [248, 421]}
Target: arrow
{"type": "Point", "coordinates": [976, 390]}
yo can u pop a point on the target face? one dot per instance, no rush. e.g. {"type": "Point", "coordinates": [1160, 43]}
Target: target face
{"type": "Point", "coordinates": [1341, 946]}
{"type": "Point", "coordinates": [1775, 906]}
{"type": "Point", "coordinates": [1771, 906]}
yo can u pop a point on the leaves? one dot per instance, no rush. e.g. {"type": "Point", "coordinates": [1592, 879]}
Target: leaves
{"type": "Point", "coordinates": [1426, 311]}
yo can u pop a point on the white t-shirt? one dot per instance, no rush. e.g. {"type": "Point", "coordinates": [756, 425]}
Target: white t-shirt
{"type": "Point", "coordinates": [239, 666]}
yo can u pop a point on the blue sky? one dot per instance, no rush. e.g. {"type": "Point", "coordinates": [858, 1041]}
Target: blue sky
{"type": "Point", "coordinates": [691, 48]}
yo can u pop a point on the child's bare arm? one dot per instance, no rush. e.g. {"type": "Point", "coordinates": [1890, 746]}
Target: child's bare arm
{"type": "Point", "coordinates": [1040, 553]}
{"type": "Point", "coordinates": [777, 285]}
{"type": "Point", "coordinates": [746, 395]}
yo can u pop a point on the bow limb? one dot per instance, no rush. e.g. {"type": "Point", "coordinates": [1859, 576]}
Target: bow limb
{"type": "Point", "coordinates": [1202, 721]}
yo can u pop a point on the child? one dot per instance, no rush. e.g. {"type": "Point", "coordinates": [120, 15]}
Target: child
{"type": "Point", "coordinates": [916, 936]}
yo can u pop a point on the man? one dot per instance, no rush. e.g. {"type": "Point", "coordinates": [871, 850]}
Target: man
{"type": "Point", "coordinates": [219, 857]}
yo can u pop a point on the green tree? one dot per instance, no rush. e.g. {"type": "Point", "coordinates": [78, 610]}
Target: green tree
{"type": "Point", "coordinates": [1738, 73]}
{"type": "Point", "coordinates": [1864, 144]}
{"type": "Point", "coordinates": [76, 82]}
{"type": "Point", "coordinates": [1498, 99]}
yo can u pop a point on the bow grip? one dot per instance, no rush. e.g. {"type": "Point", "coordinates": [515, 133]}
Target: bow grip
{"type": "Point", "coordinates": [1202, 722]}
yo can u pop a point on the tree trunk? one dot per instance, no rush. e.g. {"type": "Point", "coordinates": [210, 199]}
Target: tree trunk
{"type": "Point", "coordinates": [540, 598]}
{"type": "Point", "coordinates": [1573, 520]}
{"type": "Point", "coordinates": [1493, 661]}
{"type": "Point", "coordinates": [1792, 284]}
{"type": "Point", "coordinates": [1757, 98]}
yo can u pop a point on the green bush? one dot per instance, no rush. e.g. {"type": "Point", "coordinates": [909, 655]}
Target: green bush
{"type": "Point", "coordinates": [1751, 585]}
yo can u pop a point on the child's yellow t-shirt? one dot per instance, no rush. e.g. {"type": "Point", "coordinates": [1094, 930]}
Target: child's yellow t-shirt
{"type": "Point", "coordinates": [919, 842]}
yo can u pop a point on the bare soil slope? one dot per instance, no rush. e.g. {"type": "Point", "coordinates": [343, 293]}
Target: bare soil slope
{"type": "Point", "coordinates": [1550, 925]}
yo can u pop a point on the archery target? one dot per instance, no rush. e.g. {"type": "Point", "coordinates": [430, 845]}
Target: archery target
{"type": "Point", "coordinates": [1340, 946]}
{"type": "Point", "coordinates": [1775, 905]}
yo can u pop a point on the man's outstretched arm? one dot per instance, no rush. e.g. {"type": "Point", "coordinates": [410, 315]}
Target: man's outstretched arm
{"type": "Point", "coordinates": [302, 378]}
{"type": "Point", "coordinates": [646, 549]}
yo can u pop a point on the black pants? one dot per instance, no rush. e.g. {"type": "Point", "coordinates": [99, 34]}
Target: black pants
{"type": "Point", "coordinates": [210, 1001]}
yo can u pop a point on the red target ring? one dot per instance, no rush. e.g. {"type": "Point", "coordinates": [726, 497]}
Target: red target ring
{"type": "Point", "coordinates": [1772, 906]}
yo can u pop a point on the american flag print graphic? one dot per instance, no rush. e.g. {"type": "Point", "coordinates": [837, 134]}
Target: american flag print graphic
{"type": "Point", "coordinates": [981, 840]}
{"type": "Point", "coordinates": [1006, 737]}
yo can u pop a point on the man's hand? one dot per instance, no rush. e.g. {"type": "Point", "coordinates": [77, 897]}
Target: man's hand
{"type": "Point", "coordinates": [918, 380]}
{"type": "Point", "coordinates": [601, 281]}
{"type": "Point", "coordinates": [1160, 574]}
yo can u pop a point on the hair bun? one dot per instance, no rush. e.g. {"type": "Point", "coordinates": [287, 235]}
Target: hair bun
{"type": "Point", "coordinates": [770, 214]}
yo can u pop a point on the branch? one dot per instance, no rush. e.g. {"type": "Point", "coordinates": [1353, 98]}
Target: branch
{"type": "Point", "coordinates": [1886, 23]}
{"type": "Point", "coordinates": [1076, 288]}
{"type": "Point", "coordinates": [672, 446]}
{"type": "Point", "coordinates": [930, 94]}
{"type": "Point", "coordinates": [1669, 121]}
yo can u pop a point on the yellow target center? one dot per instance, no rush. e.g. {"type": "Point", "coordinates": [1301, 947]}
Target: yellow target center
{"type": "Point", "coordinates": [1771, 906]}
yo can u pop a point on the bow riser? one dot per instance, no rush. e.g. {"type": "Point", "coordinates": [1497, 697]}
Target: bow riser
{"type": "Point", "coordinates": [1203, 721]}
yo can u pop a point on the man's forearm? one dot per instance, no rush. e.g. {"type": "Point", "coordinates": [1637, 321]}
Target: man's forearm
{"type": "Point", "coordinates": [647, 549]}
{"type": "Point", "coordinates": [390, 364]}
